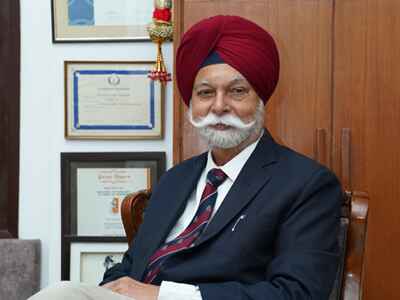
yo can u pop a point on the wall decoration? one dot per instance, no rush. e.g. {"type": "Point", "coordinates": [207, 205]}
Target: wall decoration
{"type": "Point", "coordinates": [100, 20]}
{"type": "Point", "coordinates": [112, 100]}
{"type": "Point", "coordinates": [93, 186]}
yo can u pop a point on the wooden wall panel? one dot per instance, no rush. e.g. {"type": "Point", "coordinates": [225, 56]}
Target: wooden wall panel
{"type": "Point", "coordinates": [9, 117]}
{"type": "Point", "coordinates": [367, 101]}
{"type": "Point", "coordinates": [302, 102]}
{"type": "Point", "coordinates": [340, 67]}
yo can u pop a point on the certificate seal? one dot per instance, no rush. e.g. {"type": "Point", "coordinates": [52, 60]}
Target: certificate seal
{"type": "Point", "coordinates": [114, 80]}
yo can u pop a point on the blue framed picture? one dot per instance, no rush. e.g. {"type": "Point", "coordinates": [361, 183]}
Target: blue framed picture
{"type": "Point", "coordinates": [100, 20]}
{"type": "Point", "coordinates": [112, 100]}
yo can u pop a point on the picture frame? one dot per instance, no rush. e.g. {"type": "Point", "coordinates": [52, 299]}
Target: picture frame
{"type": "Point", "coordinates": [93, 186]}
{"type": "Point", "coordinates": [112, 100]}
{"type": "Point", "coordinates": [89, 260]}
{"type": "Point", "coordinates": [100, 20]}
{"type": "Point", "coordinates": [97, 179]}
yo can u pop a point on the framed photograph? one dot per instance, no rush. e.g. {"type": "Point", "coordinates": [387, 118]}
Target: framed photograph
{"type": "Point", "coordinates": [100, 20]}
{"type": "Point", "coordinates": [94, 185]}
{"type": "Point", "coordinates": [89, 261]}
{"type": "Point", "coordinates": [112, 100]}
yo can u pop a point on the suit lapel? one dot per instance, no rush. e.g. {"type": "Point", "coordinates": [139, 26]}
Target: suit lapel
{"type": "Point", "coordinates": [168, 212]}
{"type": "Point", "coordinates": [255, 174]}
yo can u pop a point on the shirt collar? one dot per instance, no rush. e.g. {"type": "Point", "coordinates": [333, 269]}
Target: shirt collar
{"type": "Point", "coordinates": [233, 167]}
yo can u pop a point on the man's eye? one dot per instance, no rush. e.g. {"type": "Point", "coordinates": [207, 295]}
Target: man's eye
{"type": "Point", "coordinates": [238, 92]}
{"type": "Point", "coordinates": [205, 93]}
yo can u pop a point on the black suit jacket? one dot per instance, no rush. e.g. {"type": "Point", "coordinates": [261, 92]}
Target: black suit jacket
{"type": "Point", "coordinates": [274, 236]}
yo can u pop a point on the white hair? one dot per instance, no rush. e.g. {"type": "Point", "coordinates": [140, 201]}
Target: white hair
{"type": "Point", "coordinates": [231, 137]}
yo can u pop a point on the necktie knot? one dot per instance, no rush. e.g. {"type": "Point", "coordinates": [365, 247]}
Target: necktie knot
{"type": "Point", "coordinates": [216, 177]}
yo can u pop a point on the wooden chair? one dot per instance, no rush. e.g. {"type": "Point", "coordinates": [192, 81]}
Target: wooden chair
{"type": "Point", "coordinates": [356, 208]}
{"type": "Point", "coordinates": [132, 212]}
{"type": "Point", "coordinates": [352, 238]}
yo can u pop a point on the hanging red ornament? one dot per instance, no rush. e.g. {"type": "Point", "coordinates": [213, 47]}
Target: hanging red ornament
{"type": "Point", "coordinates": [162, 14]}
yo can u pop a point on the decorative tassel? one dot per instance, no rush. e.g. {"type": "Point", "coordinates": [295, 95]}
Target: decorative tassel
{"type": "Point", "coordinates": [160, 70]}
{"type": "Point", "coordinates": [160, 31]}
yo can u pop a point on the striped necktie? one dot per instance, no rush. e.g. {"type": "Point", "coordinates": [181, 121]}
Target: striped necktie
{"type": "Point", "coordinates": [186, 239]}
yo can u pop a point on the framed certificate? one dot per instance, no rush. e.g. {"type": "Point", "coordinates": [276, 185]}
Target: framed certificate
{"type": "Point", "coordinates": [100, 20]}
{"type": "Point", "coordinates": [94, 185]}
{"type": "Point", "coordinates": [112, 100]}
{"type": "Point", "coordinates": [89, 261]}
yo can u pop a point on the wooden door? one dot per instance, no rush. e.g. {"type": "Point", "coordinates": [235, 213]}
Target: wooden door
{"type": "Point", "coordinates": [367, 103]}
{"type": "Point", "coordinates": [302, 101]}
{"type": "Point", "coordinates": [9, 117]}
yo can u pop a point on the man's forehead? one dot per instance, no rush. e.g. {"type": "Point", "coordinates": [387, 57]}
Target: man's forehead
{"type": "Point", "coordinates": [218, 73]}
{"type": "Point", "coordinates": [225, 81]}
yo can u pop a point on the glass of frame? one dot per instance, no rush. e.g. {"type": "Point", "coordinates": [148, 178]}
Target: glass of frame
{"type": "Point", "coordinates": [100, 20]}
{"type": "Point", "coordinates": [89, 261]}
{"type": "Point", "coordinates": [92, 188]}
{"type": "Point", "coordinates": [94, 185]}
{"type": "Point", "coordinates": [112, 100]}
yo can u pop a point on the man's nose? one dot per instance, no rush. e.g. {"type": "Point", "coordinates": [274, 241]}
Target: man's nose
{"type": "Point", "coordinates": [220, 105]}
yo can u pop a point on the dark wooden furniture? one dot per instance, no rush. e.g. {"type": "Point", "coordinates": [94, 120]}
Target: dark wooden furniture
{"type": "Point", "coordinates": [132, 210]}
{"type": "Point", "coordinates": [354, 265]}
{"type": "Point", "coordinates": [352, 237]}
{"type": "Point", "coordinates": [9, 116]}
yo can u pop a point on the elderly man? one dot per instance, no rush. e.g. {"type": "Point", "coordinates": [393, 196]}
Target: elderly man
{"type": "Point", "coordinates": [249, 219]}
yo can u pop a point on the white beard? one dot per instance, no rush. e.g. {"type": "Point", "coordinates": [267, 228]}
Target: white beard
{"type": "Point", "coordinates": [232, 137]}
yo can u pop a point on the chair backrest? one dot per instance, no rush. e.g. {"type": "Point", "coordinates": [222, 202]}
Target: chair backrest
{"type": "Point", "coordinates": [132, 212]}
{"type": "Point", "coordinates": [342, 241]}
{"type": "Point", "coordinates": [352, 238]}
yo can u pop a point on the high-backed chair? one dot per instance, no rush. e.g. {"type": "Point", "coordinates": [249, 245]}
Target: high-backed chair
{"type": "Point", "coordinates": [352, 238]}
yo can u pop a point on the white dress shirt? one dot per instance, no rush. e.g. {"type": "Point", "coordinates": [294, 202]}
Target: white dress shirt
{"type": "Point", "coordinates": [181, 291]}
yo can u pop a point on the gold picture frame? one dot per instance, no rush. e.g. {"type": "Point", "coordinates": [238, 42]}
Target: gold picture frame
{"type": "Point", "coordinates": [100, 21]}
{"type": "Point", "coordinates": [112, 100]}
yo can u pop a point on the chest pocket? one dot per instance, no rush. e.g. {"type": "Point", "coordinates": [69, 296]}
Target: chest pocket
{"type": "Point", "coordinates": [250, 235]}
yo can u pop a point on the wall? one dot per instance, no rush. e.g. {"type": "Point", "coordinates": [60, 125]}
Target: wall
{"type": "Point", "coordinates": [42, 125]}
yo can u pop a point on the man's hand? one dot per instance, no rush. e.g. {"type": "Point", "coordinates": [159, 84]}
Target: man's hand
{"type": "Point", "coordinates": [131, 288]}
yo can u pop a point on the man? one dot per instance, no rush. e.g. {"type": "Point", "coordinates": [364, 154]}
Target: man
{"type": "Point", "coordinates": [250, 219]}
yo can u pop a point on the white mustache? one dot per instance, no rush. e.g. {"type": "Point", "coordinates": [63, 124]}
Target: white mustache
{"type": "Point", "coordinates": [227, 120]}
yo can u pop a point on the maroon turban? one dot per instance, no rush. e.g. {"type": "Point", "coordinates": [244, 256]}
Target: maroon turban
{"type": "Point", "coordinates": [239, 42]}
